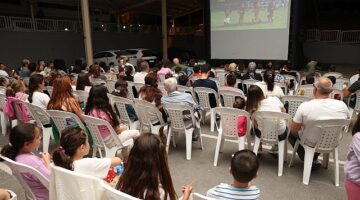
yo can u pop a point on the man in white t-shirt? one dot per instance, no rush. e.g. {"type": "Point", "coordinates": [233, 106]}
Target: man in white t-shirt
{"type": "Point", "coordinates": [322, 107]}
{"type": "Point", "coordinates": [139, 77]}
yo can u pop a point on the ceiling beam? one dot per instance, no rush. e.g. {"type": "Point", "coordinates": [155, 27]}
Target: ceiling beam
{"type": "Point", "coordinates": [142, 3]}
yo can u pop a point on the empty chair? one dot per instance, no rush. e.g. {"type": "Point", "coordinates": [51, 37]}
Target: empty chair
{"type": "Point", "coordinates": [42, 119]}
{"type": "Point", "coordinates": [270, 123]}
{"type": "Point", "coordinates": [111, 193]}
{"type": "Point", "coordinates": [63, 119]}
{"type": "Point", "coordinates": [334, 74]}
{"type": "Point", "coordinates": [70, 185]}
{"type": "Point", "coordinates": [203, 98]}
{"type": "Point", "coordinates": [228, 95]}
{"type": "Point", "coordinates": [305, 90]}
{"type": "Point", "coordinates": [228, 128]}
{"type": "Point", "coordinates": [179, 124]}
{"type": "Point", "coordinates": [3, 117]}
{"type": "Point", "coordinates": [247, 83]}
{"type": "Point", "coordinates": [110, 84]}
{"type": "Point", "coordinates": [330, 135]}
{"type": "Point", "coordinates": [149, 116]}
{"type": "Point", "coordinates": [121, 105]}
{"type": "Point", "coordinates": [340, 82]}
{"type": "Point", "coordinates": [111, 144]}
{"type": "Point", "coordinates": [293, 102]}
{"type": "Point", "coordinates": [18, 169]}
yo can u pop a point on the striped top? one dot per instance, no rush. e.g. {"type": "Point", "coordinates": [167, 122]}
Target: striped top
{"type": "Point", "coordinates": [226, 191]}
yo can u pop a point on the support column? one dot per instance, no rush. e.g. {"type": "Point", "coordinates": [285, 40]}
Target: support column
{"type": "Point", "coordinates": [164, 28]}
{"type": "Point", "coordinates": [87, 31]}
{"type": "Point", "coordinates": [32, 2]}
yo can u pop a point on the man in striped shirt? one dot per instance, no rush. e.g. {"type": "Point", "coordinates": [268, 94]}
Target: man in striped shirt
{"type": "Point", "coordinates": [244, 167]}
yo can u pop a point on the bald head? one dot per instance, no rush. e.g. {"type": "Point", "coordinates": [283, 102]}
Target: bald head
{"type": "Point", "coordinates": [176, 61]}
{"type": "Point", "coordinates": [324, 86]}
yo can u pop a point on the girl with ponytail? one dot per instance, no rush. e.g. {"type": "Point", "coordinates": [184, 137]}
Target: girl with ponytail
{"type": "Point", "coordinates": [25, 138]}
{"type": "Point", "coordinates": [74, 145]}
{"type": "Point", "coordinates": [36, 94]}
{"type": "Point", "coordinates": [268, 85]}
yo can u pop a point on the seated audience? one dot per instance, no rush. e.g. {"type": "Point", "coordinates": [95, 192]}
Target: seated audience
{"type": "Point", "coordinates": [268, 85]}
{"type": "Point", "coordinates": [148, 165]}
{"type": "Point", "coordinates": [41, 67]}
{"type": "Point", "coordinates": [17, 89]}
{"type": "Point", "coordinates": [139, 77]}
{"type": "Point", "coordinates": [230, 80]}
{"type": "Point", "coordinates": [322, 107]}
{"type": "Point", "coordinates": [24, 139]}
{"type": "Point", "coordinates": [4, 82]}
{"type": "Point", "coordinates": [176, 63]}
{"type": "Point", "coordinates": [98, 105]}
{"type": "Point", "coordinates": [74, 145]}
{"type": "Point", "coordinates": [244, 169]}
{"type": "Point", "coordinates": [2, 70]}
{"type": "Point", "coordinates": [83, 82]}
{"type": "Point", "coordinates": [240, 103]}
{"type": "Point", "coordinates": [150, 92]}
{"type": "Point", "coordinates": [121, 90]}
{"type": "Point", "coordinates": [128, 74]}
{"type": "Point", "coordinates": [36, 91]}
{"type": "Point", "coordinates": [184, 80]}
{"type": "Point", "coordinates": [310, 79]}
{"type": "Point", "coordinates": [63, 99]}
{"type": "Point", "coordinates": [24, 70]}
{"type": "Point", "coordinates": [205, 82]}
{"type": "Point", "coordinates": [352, 164]}
{"type": "Point", "coordinates": [165, 68]}
{"type": "Point", "coordinates": [15, 74]}
{"type": "Point", "coordinates": [251, 74]}
{"type": "Point", "coordinates": [197, 72]}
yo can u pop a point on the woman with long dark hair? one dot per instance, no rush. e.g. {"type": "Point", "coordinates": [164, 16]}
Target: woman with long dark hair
{"type": "Point", "coordinates": [122, 91]}
{"type": "Point", "coordinates": [36, 88]}
{"type": "Point", "coordinates": [352, 164]}
{"type": "Point", "coordinates": [98, 105]}
{"type": "Point", "coordinates": [268, 85]}
{"type": "Point", "coordinates": [147, 175]}
{"type": "Point", "coordinates": [83, 82]}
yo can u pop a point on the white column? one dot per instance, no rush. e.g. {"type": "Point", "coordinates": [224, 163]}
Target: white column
{"type": "Point", "coordinates": [87, 31]}
{"type": "Point", "coordinates": [164, 28]}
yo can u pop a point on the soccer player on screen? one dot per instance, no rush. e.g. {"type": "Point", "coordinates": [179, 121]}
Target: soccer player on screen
{"type": "Point", "coordinates": [271, 8]}
{"type": "Point", "coordinates": [241, 12]}
{"type": "Point", "coordinates": [227, 13]}
{"type": "Point", "coordinates": [256, 18]}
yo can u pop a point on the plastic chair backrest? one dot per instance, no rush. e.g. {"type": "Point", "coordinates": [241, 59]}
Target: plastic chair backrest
{"type": "Point", "coordinates": [41, 117]}
{"type": "Point", "coordinates": [49, 89]}
{"type": "Point", "coordinates": [19, 168]}
{"type": "Point", "coordinates": [110, 84]}
{"type": "Point", "coordinates": [2, 90]}
{"type": "Point", "coordinates": [216, 80]}
{"type": "Point", "coordinates": [228, 94]}
{"type": "Point", "coordinates": [186, 89]}
{"type": "Point", "coordinates": [19, 107]}
{"type": "Point", "coordinates": [70, 185]}
{"type": "Point", "coordinates": [335, 74]}
{"type": "Point", "coordinates": [120, 104]}
{"type": "Point", "coordinates": [148, 113]}
{"type": "Point", "coordinates": [175, 112]}
{"type": "Point", "coordinates": [305, 90]}
{"type": "Point", "coordinates": [247, 83]}
{"type": "Point", "coordinates": [294, 102]}
{"type": "Point", "coordinates": [162, 78]}
{"type": "Point", "coordinates": [203, 95]}
{"type": "Point", "coordinates": [221, 76]}
{"type": "Point", "coordinates": [340, 83]}
{"type": "Point", "coordinates": [331, 133]}
{"type": "Point", "coordinates": [197, 196]}
{"type": "Point", "coordinates": [82, 95]}
{"type": "Point", "coordinates": [229, 118]}
{"type": "Point", "coordinates": [2, 101]}
{"type": "Point", "coordinates": [60, 119]}
{"type": "Point", "coordinates": [283, 86]}
{"type": "Point", "coordinates": [357, 104]}
{"type": "Point", "coordinates": [111, 193]}
{"type": "Point", "coordinates": [130, 89]}
{"type": "Point", "coordinates": [270, 122]}
{"type": "Point", "coordinates": [163, 91]}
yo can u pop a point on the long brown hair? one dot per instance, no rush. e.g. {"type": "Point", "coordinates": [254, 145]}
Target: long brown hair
{"type": "Point", "coordinates": [254, 96]}
{"type": "Point", "coordinates": [150, 92]}
{"type": "Point", "coordinates": [62, 95]}
{"type": "Point", "coordinates": [146, 169]}
{"type": "Point", "coordinates": [356, 127]}
{"type": "Point", "coordinates": [121, 89]}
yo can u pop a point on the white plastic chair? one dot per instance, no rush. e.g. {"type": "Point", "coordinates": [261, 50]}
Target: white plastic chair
{"type": "Point", "coordinates": [357, 104]}
{"type": "Point", "coordinates": [130, 90]}
{"type": "Point", "coordinates": [70, 185]}
{"type": "Point", "coordinates": [283, 86]}
{"type": "Point", "coordinates": [18, 169]}
{"type": "Point", "coordinates": [111, 144]}
{"type": "Point", "coordinates": [228, 95]}
{"type": "Point", "coordinates": [49, 89]}
{"type": "Point", "coordinates": [330, 132]}
{"type": "Point", "coordinates": [269, 122]}
{"type": "Point", "coordinates": [110, 84]}
{"type": "Point", "coordinates": [163, 91]}
{"type": "Point", "coordinates": [305, 90]}
{"type": "Point", "coordinates": [221, 76]}
{"type": "Point", "coordinates": [335, 74]}
{"type": "Point", "coordinates": [149, 115]}
{"type": "Point", "coordinates": [186, 89]}
{"type": "Point", "coordinates": [294, 102]}
{"type": "Point", "coordinates": [228, 128]}
{"type": "Point", "coordinates": [120, 104]}
{"type": "Point", "coordinates": [216, 80]}
{"type": "Point", "coordinates": [197, 196]}
{"type": "Point", "coordinates": [82, 96]}
{"type": "Point", "coordinates": [4, 119]}
{"type": "Point", "coordinates": [162, 78]}
{"type": "Point", "coordinates": [60, 119]}
{"type": "Point", "coordinates": [340, 82]}
{"type": "Point", "coordinates": [178, 124]}
{"type": "Point", "coordinates": [203, 96]}
{"type": "Point", "coordinates": [111, 193]}
{"type": "Point", "coordinates": [42, 119]}
{"type": "Point", "coordinates": [247, 83]}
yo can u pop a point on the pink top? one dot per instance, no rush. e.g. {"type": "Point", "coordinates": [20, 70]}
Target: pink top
{"type": "Point", "coordinates": [241, 126]}
{"type": "Point", "coordinates": [95, 112]}
{"type": "Point", "coordinates": [36, 186]}
{"type": "Point", "coordinates": [165, 71]}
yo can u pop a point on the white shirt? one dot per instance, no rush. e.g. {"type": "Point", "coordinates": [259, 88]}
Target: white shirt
{"type": "Point", "coordinates": [139, 77]}
{"type": "Point", "coordinates": [3, 73]}
{"type": "Point", "coordinates": [277, 91]}
{"type": "Point", "coordinates": [98, 167]}
{"type": "Point", "coordinates": [272, 104]}
{"type": "Point", "coordinates": [318, 109]}
{"type": "Point", "coordinates": [40, 99]}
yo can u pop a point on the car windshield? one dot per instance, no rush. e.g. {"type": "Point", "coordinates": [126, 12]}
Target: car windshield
{"type": "Point", "coordinates": [147, 53]}
{"type": "Point", "coordinates": [131, 51]}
